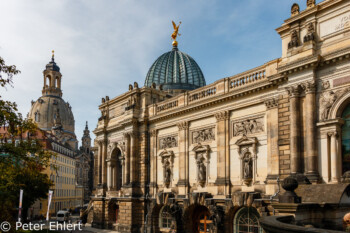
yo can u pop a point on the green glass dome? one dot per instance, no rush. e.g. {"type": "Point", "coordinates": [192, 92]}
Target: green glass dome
{"type": "Point", "coordinates": [175, 70]}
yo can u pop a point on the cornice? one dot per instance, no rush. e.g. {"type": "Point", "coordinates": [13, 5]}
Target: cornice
{"type": "Point", "coordinates": [300, 64]}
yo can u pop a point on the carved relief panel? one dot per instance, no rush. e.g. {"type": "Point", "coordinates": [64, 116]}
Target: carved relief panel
{"type": "Point", "coordinates": [249, 126]}
{"type": "Point", "coordinates": [203, 135]}
{"type": "Point", "coordinates": [168, 142]}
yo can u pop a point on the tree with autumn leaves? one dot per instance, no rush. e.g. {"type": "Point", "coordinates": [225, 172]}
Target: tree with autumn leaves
{"type": "Point", "coordinates": [22, 155]}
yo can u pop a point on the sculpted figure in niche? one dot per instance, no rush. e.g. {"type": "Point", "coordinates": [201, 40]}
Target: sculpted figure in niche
{"type": "Point", "coordinates": [167, 173]}
{"type": "Point", "coordinates": [202, 170]}
{"type": "Point", "coordinates": [247, 168]}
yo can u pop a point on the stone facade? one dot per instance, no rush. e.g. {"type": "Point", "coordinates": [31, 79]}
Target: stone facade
{"type": "Point", "coordinates": [214, 154]}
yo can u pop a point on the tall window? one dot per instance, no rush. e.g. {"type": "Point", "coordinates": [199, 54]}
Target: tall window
{"type": "Point", "coordinates": [346, 140]}
{"type": "Point", "coordinates": [247, 221]}
{"type": "Point", "coordinates": [165, 218]}
{"type": "Point", "coordinates": [37, 117]}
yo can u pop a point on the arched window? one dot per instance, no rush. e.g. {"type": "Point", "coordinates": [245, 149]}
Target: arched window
{"type": "Point", "coordinates": [37, 117]}
{"type": "Point", "coordinates": [247, 220]}
{"type": "Point", "coordinates": [165, 218]}
{"type": "Point", "coordinates": [346, 140]}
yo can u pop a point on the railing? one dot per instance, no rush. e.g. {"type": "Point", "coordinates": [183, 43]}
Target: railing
{"type": "Point", "coordinates": [202, 94]}
{"type": "Point", "coordinates": [167, 106]}
{"type": "Point", "coordinates": [254, 76]}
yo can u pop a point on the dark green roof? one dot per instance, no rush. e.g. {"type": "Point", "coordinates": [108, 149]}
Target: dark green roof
{"type": "Point", "coordinates": [175, 70]}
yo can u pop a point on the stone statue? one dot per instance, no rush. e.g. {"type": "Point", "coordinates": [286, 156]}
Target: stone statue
{"type": "Point", "coordinates": [295, 9]}
{"type": "Point", "coordinates": [130, 87]}
{"type": "Point", "coordinates": [294, 42]}
{"type": "Point", "coordinates": [167, 174]}
{"type": "Point", "coordinates": [310, 3]}
{"type": "Point", "coordinates": [247, 168]}
{"type": "Point", "coordinates": [202, 171]}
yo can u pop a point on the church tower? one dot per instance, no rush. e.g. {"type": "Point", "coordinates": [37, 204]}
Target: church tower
{"type": "Point", "coordinates": [50, 111]}
{"type": "Point", "coordinates": [86, 140]}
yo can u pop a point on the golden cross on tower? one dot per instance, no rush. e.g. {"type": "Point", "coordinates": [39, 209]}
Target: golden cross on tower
{"type": "Point", "coordinates": [53, 53]}
{"type": "Point", "coordinates": [175, 33]}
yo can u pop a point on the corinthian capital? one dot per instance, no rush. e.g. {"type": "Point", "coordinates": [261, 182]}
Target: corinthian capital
{"type": "Point", "coordinates": [182, 125]}
{"type": "Point", "coordinates": [271, 103]}
{"type": "Point", "coordinates": [293, 91]}
{"type": "Point", "coordinates": [152, 132]}
{"type": "Point", "coordinates": [309, 87]}
{"type": "Point", "coordinates": [221, 116]}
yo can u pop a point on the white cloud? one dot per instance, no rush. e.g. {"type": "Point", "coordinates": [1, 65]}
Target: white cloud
{"type": "Point", "coordinates": [103, 45]}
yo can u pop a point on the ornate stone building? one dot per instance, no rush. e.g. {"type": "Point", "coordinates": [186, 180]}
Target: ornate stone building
{"type": "Point", "coordinates": [180, 154]}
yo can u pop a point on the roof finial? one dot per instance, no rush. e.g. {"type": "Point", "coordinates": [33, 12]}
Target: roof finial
{"type": "Point", "coordinates": [53, 54]}
{"type": "Point", "coordinates": [175, 33]}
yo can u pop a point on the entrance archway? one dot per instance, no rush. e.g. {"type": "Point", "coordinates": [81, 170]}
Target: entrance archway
{"type": "Point", "coordinates": [346, 140]}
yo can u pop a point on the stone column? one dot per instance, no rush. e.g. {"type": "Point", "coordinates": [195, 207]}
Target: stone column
{"type": "Point", "coordinates": [104, 163]}
{"type": "Point", "coordinates": [127, 159]}
{"type": "Point", "coordinates": [272, 139]}
{"type": "Point", "coordinates": [109, 175]}
{"type": "Point", "coordinates": [311, 150]}
{"type": "Point", "coordinates": [153, 159]}
{"type": "Point", "coordinates": [221, 179]}
{"type": "Point", "coordinates": [335, 169]}
{"type": "Point", "coordinates": [133, 158]}
{"type": "Point", "coordinates": [294, 128]}
{"type": "Point", "coordinates": [99, 160]}
{"type": "Point", "coordinates": [114, 175]}
{"type": "Point", "coordinates": [183, 182]}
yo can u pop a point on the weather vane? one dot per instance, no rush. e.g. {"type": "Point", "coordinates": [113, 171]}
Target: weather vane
{"type": "Point", "coordinates": [175, 33]}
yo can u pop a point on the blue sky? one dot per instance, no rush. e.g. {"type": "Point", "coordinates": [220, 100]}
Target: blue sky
{"type": "Point", "coordinates": [102, 45]}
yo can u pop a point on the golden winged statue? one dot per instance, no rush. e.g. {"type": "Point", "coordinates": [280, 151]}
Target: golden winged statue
{"type": "Point", "coordinates": [176, 30]}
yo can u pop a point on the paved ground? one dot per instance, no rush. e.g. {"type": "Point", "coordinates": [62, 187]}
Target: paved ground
{"type": "Point", "coordinates": [89, 229]}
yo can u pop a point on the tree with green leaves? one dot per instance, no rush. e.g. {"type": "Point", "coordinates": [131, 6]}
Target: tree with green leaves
{"type": "Point", "coordinates": [23, 157]}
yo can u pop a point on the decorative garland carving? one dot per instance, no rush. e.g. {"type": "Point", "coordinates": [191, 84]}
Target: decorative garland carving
{"type": "Point", "coordinates": [203, 135]}
{"type": "Point", "coordinates": [168, 142]}
{"type": "Point", "coordinates": [250, 126]}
